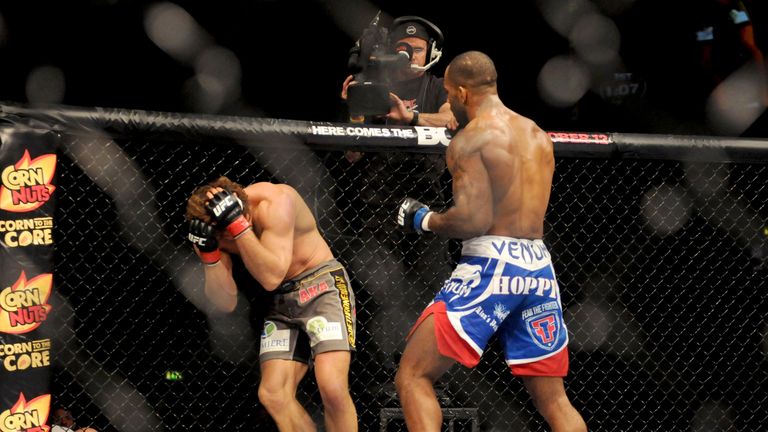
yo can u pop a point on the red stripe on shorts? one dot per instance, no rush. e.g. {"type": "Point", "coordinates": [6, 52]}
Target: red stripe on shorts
{"type": "Point", "coordinates": [449, 343]}
{"type": "Point", "coordinates": [555, 366]}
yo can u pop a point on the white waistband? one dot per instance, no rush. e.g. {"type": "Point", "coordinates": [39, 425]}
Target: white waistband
{"type": "Point", "coordinates": [525, 253]}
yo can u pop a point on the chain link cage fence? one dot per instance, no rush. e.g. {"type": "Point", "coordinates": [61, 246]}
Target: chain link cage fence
{"type": "Point", "coordinates": [661, 263]}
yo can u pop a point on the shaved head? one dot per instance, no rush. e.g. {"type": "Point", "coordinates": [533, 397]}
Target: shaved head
{"type": "Point", "coordinates": [472, 69]}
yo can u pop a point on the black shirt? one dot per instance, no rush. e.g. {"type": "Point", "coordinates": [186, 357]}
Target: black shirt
{"type": "Point", "coordinates": [388, 177]}
{"type": "Point", "coordinates": [424, 94]}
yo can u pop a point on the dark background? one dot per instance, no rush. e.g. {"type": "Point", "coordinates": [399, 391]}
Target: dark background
{"type": "Point", "coordinates": [293, 55]}
{"type": "Point", "coordinates": [677, 303]}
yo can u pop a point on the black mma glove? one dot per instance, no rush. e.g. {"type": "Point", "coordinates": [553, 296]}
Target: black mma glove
{"type": "Point", "coordinates": [203, 236]}
{"type": "Point", "coordinates": [412, 216]}
{"type": "Point", "coordinates": [227, 210]}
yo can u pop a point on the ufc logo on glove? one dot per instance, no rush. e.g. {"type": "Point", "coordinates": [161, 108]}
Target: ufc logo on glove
{"type": "Point", "coordinates": [223, 205]}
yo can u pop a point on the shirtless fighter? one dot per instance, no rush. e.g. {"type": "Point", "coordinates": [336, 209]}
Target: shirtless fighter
{"type": "Point", "coordinates": [502, 166]}
{"type": "Point", "coordinates": [271, 229]}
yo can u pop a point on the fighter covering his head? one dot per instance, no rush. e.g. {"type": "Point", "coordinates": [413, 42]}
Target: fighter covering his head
{"type": "Point", "coordinates": [312, 310]}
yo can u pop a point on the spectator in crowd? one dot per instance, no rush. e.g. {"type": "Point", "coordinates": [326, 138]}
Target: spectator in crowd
{"type": "Point", "coordinates": [727, 47]}
{"type": "Point", "coordinates": [64, 421]}
{"type": "Point", "coordinates": [726, 39]}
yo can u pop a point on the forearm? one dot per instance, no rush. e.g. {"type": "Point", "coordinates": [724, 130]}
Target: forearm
{"type": "Point", "coordinates": [458, 224]}
{"type": "Point", "coordinates": [220, 288]}
{"type": "Point", "coordinates": [438, 119]}
{"type": "Point", "coordinates": [265, 266]}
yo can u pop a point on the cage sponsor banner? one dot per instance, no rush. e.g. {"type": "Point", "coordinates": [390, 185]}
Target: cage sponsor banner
{"type": "Point", "coordinates": [26, 415]}
{"type": "Point", "coordinates": [28, 163]}
{"type": "Point", "coordinates": [24, 305]}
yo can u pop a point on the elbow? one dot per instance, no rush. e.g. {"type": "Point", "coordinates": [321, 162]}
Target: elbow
{"type": "Point", "coordinates": [270, 286]}
{"type": "Point", "coordinates": [276, 277]}
{"type": "Point", "coordinates": [479, 227]}
{"type": "Point", "coordinates": [228, 307]}
{"type": "Point", "coordinates": [270, 276]}
{"type": "Point", "coordinates": [272, 282]}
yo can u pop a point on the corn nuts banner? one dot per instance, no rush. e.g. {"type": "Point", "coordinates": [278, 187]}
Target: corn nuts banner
{"type": "Point", "coordinates": [27, 204]}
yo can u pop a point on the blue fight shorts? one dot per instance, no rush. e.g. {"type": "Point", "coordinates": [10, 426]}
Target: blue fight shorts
{"type": "Point", "coordinates": [503, 285]}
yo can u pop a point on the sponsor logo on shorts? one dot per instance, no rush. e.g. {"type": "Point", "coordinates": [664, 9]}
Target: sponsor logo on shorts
{"type": "Point", "coordinates": [346, 305]}
{"type": "Point", "coordinates": [544, 324]}
{"type": "Point", "coordinates": [28, 416]}
{"type": "Point", "coordinates": [269, 328]}
{"type": "Point", "coordinates": [500, 311]}
{"type": "Point", "coordinates": [320, 329]}
{"type": "Point", "coordinates": [273, 339]}
{"type": "Point", "coordinates": [525, 285]}
{"type": "Point", "coordinates": [463, 279]}
{"type": "Point", "coordinates": [307, 294]}
{"type": "Point", "coordinates": [25, 355]}
{"type": "Point", "coordinates": [488, 318]}
{"type": "Point", "coordinates": [525, 252]}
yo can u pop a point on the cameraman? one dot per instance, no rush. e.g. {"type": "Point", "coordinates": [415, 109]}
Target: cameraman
{"type": "Point", "coordinates": [417, 97]}
{"type": "Point", "coordinates": [396, 270]}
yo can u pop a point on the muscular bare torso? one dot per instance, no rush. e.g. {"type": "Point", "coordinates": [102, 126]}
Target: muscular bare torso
{"type": "Point", "coordinates": [309, 247]}
{"type": "Point", "coordinates": [518, 158]}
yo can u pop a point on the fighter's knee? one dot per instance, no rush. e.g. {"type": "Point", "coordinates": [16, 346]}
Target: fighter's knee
{"type": "Point", "coordinates": [273, 398]}
{"type": "Point", "coordinates": [403, 379]}
{"type": "Point", "coordinates": [551, 408]}
{"type": "Point", "coordinates": [335, 396]}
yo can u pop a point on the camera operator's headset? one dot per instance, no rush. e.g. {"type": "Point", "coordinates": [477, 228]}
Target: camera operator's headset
{"type": "Point", "coordinates": [434, 44]}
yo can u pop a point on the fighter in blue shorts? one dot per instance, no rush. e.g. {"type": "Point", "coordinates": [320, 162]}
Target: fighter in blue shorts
{"type": "Point", "coordinates": [504, 285]}
{"type": "Point", "coordinates": [502, 166]}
